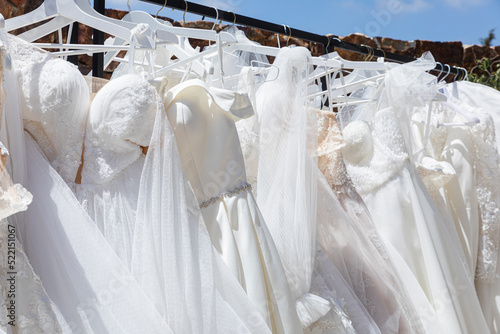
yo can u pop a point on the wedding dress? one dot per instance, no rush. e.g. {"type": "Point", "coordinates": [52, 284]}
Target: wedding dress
{"type": "Point", "coordinates": [86, 281]}
{"type": "Point", "coordinates": [131, 197]}
{"type": "Point", "coordinates": [92, 287]}
{"type": "Point", "coordinates": [378, 286]}
{"type": "Point", "coordinates": [281, 147]}
{"type": "Point", "coordinates": [203, 121]}
{"type": "Point", "coordinates": [120, 122]}
{"type": "Point", "coordinates": [377, 159]}
{"type": "Point", "coordinates": [471, 196]}
{"type": "Point", "coordinates": [24, 304]}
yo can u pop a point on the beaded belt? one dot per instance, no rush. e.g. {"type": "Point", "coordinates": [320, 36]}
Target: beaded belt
{"type": "Point", "coordinates": [244, 187]}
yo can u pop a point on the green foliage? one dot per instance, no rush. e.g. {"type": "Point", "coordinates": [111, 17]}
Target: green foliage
{"type": "Point", "coordinates": [486, 72]}
{"type": "Point", "coordinates": [487, 41]}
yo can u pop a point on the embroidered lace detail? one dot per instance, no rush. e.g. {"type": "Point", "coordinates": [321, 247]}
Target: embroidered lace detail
{"type": "Point", "coordinates": [388, 157]}
{"type": "Point", "coordinates": [249, 140]}
{"type": "Point", "coordinates": [121, 120]}
{"type": "Point", "coordinates": [487, 168]}
{"type": "Point", "coordinates": [330, 143]}
{"type": "Point", "coordinates": [56, 96]}
{"type": "Point", "coordinates": [244, 187]}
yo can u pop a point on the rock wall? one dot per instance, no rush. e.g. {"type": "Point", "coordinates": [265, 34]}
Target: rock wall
{"type": "Point", "coordinates": [452, 53]}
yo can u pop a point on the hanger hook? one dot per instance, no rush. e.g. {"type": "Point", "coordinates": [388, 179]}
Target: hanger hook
{"type": "Point", "coordinates": [447, 73]}
{"type": "Point", "coordinates": [289, 34]}
{"type": "Point", "coordinates": [164, 5]}
{"type": "Point", "coordinates": [328, 44]}
{"type": "Point", "coordinates": [278, 36]}
{"type": "Point", "coordinates": [385, 56]}
{"type": "Point", "coordinates": [370, 50]}
{"type": "Point", "coordinates": [184, 15]}
{"type": "Point", "coordinates": [234, 16]}
{"type": "Point", "coordinates": [455, 75]}
{"type": "Point", "coordinates": [216, 16]}
{"type": "Point", "coordinates": [440, 70]}
{"type": "Point", "coordinates": [466, 74]}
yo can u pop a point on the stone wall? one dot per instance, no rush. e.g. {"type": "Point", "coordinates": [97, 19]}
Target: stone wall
{"type": "Point", "coordinates": [452, 53]}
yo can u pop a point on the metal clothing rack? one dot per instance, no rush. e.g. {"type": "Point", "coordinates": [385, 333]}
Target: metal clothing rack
{"type": "Point", "coordinates": [329, 43]}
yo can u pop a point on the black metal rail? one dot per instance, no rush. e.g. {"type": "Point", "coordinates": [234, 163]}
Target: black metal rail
{"type": "Point", "coordinates": [329, 43]}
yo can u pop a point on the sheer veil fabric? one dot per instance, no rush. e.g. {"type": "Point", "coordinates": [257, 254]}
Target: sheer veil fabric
{"type": "Point", "coordinates": [283, 147]}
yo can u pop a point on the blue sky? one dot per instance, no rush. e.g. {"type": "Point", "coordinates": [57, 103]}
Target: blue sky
{"type": "Point", "coordinates": [436, 20]}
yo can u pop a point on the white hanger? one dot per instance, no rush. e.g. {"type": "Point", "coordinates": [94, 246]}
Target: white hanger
{"type": "Point", "coordinates": [332, 63]}
{"type": "Point", "coordinates": [65, 12]}
{"type": "Point", "coordinates": [178, 51]}
{"type": "Point", "coordinates": [143, 17]}
{"type": "Point", "coordinates": [471, 119]}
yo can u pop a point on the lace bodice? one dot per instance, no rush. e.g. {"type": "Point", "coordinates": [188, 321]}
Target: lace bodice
{"type": "Point", "coordinates": [382, 148]}
{"type": "Point", "coordinates": [203, 120]}
{"type": "Point", "coordinates": [55, 105]}
{"type": "Point", "coordinates": [121, 120]}
{"type": "Point", "coordinates": [330, 143]}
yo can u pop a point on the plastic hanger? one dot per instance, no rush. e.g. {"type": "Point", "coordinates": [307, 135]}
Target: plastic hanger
{"type": "Point", "coordinates": [65, 12]}
{"type": "Point", "coordinates": [357, 79]}
{"type": "Point", "coordinates": [471, 119]}
{"type": "Point", "coordinates": [155, 24]}
{"type": "Point", "coordinates": [179, 51]}
{"type": "Point", "coordinates": [447, 73]}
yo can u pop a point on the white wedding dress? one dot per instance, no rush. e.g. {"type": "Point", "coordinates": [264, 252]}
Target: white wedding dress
{"type": "Point", "coordinates": [24, 304]}
{"type": "Point", "coordinates": [92, 287]}
{"type": "Point", "coordinates": [131, 197]}
{"type": "Point", "coordinates": [377, 285]}
{"type": "Point", "coordinates": [93, 290]}
{"type": "Point", "coordinates": [203, 121]}
{"type": "Point", "coordinates": [471, 194]}
{"type": "Point", "coordinates": [377, 159]}
{"type": "Point", "coordinates": [279, 147]}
